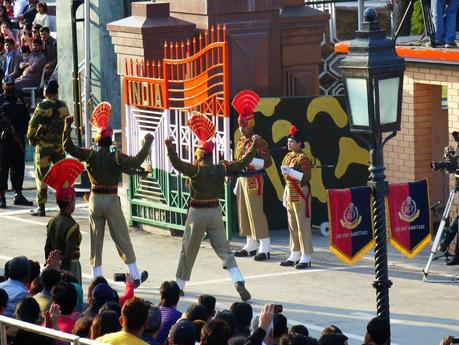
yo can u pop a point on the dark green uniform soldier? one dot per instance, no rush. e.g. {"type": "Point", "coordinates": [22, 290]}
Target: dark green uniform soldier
{"type": "Point", "coordinates": [105, 165]}
{"type": "Point", "coordinates": [45, 133]}
{"type": "Point", "coordinates": [206, 181]}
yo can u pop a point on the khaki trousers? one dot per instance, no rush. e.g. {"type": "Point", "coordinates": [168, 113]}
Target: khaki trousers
{"type": "Point", "coordinates": [251, 217]}
{"type": "Point", "coordinates": [107, 208]}
{"type": "Point", "coordinates": [198, 222]}
{"type": "Point", "coordinates": [298, 225]}
{"type": "Point", "coordinates": [45, 155]}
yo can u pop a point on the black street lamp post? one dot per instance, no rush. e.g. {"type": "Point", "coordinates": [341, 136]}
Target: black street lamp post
{"type": "Point", "coordinates": [372, 73]}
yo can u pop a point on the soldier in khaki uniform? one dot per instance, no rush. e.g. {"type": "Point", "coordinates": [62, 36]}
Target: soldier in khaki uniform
{"type": "Point", "coordinates": [45, 133]}
{"type": "Point", "coordinates": [296, 169]}
{"type": "Point", "coordinates": [105, 165]}
{"type": "Point", "coordinates": [206, 181]}
{"type": "Point", "coordinates": [249, 189]}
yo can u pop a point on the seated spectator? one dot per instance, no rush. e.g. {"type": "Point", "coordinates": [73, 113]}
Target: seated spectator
{"type": "Point", "coordinates": [104, 323]}
{"type": "Point", "coordinates": [41, 18]}
{"type": "Point", "coordinates": [153, 325]}
{"type": "Point", "coordinates": [28, 310]}
{"type": "Point", "coordinates": [209, 302]}
{"type": "Point", "coordinates": [261, 326]}
{"type": "Point", "coordinates": [67, 277]}
{"type": "Point", "coordinates": [49, 277]}
{"type": "Point", "coordinates": [197, 312]}
{"type": "Point", "coordinates": [3, 301]}
{"type": "Point", "coordinates": [65, 295]}
{"type": "Point", "coordinates": [243, 314]}
{"type": "Point", "coordinates": [34, 272]}
{"type": "Point", "coordinates": [94, 282]}
{"type": "Point", "coordinates": [32, 67]}
{"type": "Point", "coordinates": [35, 31]}
{"type": "Point", "coordinates": [378, 332]}
{"type": "Point", "coordinates": [29, 13]}
{"type": "Point", "coordinates": [9, 8]}
{"type": "Point", "coordinates": [169, 296]}
{"type": "Point", "coordinates": [279, 328]}
{"type": "Point", "coordinates": [229, 318]}
{"type": "Point", "coordinates": [15, 286]}
{"type": "Point", "coordinates": [50, 51]}
{"type": "Point", "coordinates": [4, 18]}
{"type": "Point", "coordinates": [199, 325]}
{"type": "Point", "coordinates": [101, 294]}
{"type": "Point", "coordinates": [331, 329]}
{"type": "Point", "coordinates": [182, 333]}
{"type": "Point", "coordinates": [36, 286]}
{"type": "Point", "coordinates": [297, 339]}
{"type": "Point", "coordinates": [2, 47]}
{"type": "Point", "coordinates": [10, 60]}
{"type": "Point", "coordinates": [25, 40]}
{"type": "Point", "coordinates": [299, 329]}
{"type": "Point", "coordinates": [112, 306]}
{"type": "Point", "coordinates": [5, 29]}
{"type": "Point", "coordinates": [82, 327]}
{"type": "Point", "coordinates": [134, 315]}
{"type": "Point", "coordinates": [215, 332]}
{"type": "Point", "coordinates": [237, 341]}
{"type": "Point", "coordinates": [333, 339]}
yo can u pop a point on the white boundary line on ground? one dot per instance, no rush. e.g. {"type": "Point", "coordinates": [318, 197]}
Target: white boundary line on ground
{"type": "Point", "coordinates": [27, 210]}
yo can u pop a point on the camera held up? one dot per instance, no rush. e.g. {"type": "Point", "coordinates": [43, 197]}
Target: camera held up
{"type": "Point", "coordinates": [449, 162]}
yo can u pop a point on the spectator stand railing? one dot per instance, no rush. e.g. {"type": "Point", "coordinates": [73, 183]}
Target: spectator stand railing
{"type": "Point", "coordinates": [48, 332]}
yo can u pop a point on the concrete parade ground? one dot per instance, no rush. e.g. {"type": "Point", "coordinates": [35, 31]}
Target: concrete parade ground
{"type": "Point", "coordinates": [328, 293]}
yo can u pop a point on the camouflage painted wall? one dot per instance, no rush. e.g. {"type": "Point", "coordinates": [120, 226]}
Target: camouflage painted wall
{"type": "Point", "coordinates": [326, 125]}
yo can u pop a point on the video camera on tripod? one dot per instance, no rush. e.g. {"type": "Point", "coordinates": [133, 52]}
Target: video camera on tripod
{"type": "Point", "coordinates": [450, 157]}
{"type": "Point", "coordinates": [450, 165]}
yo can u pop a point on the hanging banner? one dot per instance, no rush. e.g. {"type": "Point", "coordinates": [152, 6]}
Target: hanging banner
{"type": "Point", "coordinates": [409, 216]}
{"type": "Point", "coordinates": [350, 216]}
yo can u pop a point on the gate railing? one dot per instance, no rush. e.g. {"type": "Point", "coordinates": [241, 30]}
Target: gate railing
{"type": "Point", "coordinates": [192, 76]}
{"type": "Point", "coordinates": [48, 332]}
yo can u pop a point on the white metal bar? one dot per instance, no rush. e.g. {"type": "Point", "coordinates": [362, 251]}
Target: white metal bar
{"type": "Point", "coordinates": [52, 333]}
{"type": "Point", "coordinates": [87, 71]}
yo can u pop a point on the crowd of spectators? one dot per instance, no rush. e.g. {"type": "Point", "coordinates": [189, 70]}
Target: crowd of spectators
{"type": "Point", "coordinates": [28, 52]}
{"type": "Point", "coordinates": [54, 298]}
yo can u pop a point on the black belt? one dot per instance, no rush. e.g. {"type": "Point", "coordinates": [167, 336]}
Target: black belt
{"type": "Point", "coordinates": [213, 203]}
{"type": "Point", "coordinates": [101, 189]}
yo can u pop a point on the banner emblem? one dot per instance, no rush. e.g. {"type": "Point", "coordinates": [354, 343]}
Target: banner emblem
{"type": "Point", "coordinates": [351, 229]}
{"type": "Point", "coordinates": [409, 216]}
{"type": "Point", "coordinates": [351, 218]}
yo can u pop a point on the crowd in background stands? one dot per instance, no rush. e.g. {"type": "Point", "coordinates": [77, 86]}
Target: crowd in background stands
{"type": "Point", "coordinates": [27, 49]}
{"type": "Point", "coordinates": [54, 299]}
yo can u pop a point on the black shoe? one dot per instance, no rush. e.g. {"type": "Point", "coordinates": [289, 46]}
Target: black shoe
{"type": "Point", "coordinates": [143, 277]}
{"type": "Point", "coordinates": [262, 256]}
{"type": "Point", "coordinates": [181, 293]}
{"type": "Point", "coordinates": [287, 263]}
{"type": "Point", "coordinates": [2, 203]}
{"type": "Point", "coordinates": [454, 261]}
{"type": "Point", "coordinates": [21, 200]}
{"type": "Point", "coordinates": [303, 265]}
{"type": "Point", "coordinates": [39, 211]}
{"type": "Point", "coordinates": [451, 45]}
{"type": "Point", "coordinates": [243, 253]}
{"type": "Point", "coordinates": [243, 292]}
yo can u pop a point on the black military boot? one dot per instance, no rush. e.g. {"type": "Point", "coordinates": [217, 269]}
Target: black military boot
{"type": "Point", "coordinates": [455, 259]}
{"type": "Point", "coordinates": [448, 235]}
{"type": "Point", "coordinates": [20, 199]}
{"type": "Point", "coordinates": [39, 211]}
{"type": "Point", "coordinates": [2, 200]}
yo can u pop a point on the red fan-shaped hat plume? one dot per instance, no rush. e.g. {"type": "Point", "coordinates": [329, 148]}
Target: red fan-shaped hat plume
{"type": "Point", "coordinates": [245, 102]}
{"type": "Point", "coordinates": [62, 176]}
{"type": "Point", "coordinates": [204, 129]}
{"type": "Point", "coordinates": [101, 115]}
{"type": "Point", "coordinates": [293, 130]}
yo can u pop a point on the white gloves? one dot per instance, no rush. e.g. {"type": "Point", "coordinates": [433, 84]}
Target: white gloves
{"type": "Point", "coordinates": [258, 163]}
